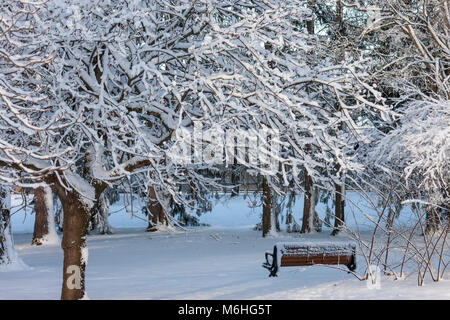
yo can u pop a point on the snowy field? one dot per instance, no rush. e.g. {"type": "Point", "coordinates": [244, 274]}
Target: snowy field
{"type": "Point", "coordinates": [222, 261]}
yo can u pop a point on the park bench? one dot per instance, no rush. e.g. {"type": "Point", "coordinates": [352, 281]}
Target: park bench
{"type": "Point", "coordinates": [301, 254]}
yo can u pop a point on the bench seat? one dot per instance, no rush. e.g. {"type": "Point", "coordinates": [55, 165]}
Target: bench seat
{"type": "Point", "coordinates": [293, 254]}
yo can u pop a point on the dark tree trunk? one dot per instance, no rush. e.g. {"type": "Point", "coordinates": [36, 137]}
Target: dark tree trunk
{"type": "Point", "coordinates": [267, 208]}
{"type": "Point", "coordinates": [310, 23]}
{"type": "Point", "coordinates": [235, 180]}
{"type": "Point", "coordinates": [339, 213]}
{"type": "Point", "coordinates": [276, 210]}
{"type": "Point", "coordinates": [339, 204]}
{"type": "Point", "coordinates": [6, 244]}
{"type": "Point", "coordinates": [75, 224]}
{"type": "Point", "coordinates": [99, 215]}
{"type": "Point", "coordinates": [339, 12]}
{"type": "Point", "coordinates": [42, 215]}
{"type": "Point", "coordinates": [339, 19]}
{"type": "Point", "coordinates": [157, 215]}
{"type": "Point", "coordinates": [307, 203]}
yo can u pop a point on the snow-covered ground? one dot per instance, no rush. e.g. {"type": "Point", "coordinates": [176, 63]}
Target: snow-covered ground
{"type": "Point", "coordinates": [218, 262]}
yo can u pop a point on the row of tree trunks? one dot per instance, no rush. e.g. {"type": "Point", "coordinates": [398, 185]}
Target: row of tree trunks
{"type": "Point", "coordinates": [310, 219]}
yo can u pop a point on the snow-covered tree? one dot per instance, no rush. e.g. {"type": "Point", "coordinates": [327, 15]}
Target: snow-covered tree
{"type": "Point", "coordinates": [272, 74]}
{"type": "Point", "coordinates": [127, 75]}
{"type": "Point", "coordinates": [417, 149]}
{"type": "Point", "coordinates": [26, 120]}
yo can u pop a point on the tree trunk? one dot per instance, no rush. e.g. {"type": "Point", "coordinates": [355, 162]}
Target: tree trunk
{"type": "Point", "coordinates": [339, 205]}
{"type": "Point", "coordinates": [307, 203]}
{"type": "Point", "coordinates": [157, 215]}
{"type": "Point", "coordinates": [291, 224]}
{"type": "Point", "coordinates": [44, 224]}
{"type": "Point", "coordinates": [267, 208]}
{"type": "Point", "coordinates": [276, 210]}
{"type": "Point", "coordinates": [310, 23]}
{"type": "Point", "coordinates": [99, 215]}
{"type": "Point", "coordinates": [75, 224]}
{"type": "Point", "coordinates": [339, 13]}
{"type": "Point", "coordinates": [389, 228]}
{"type": "Point", "coordinates": [6, 243]}
{"type": "Point", "coordinates": [432, 221]}
{"type": "Point", "coordinates": [235, 180]}
{"type": "Point", "coordinates": [307, 219]}
{"type": "Point", "coordinates": [340, 32]}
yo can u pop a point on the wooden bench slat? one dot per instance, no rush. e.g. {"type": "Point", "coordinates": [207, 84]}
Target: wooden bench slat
{"type": "Point", "coordinates": [314, 259]}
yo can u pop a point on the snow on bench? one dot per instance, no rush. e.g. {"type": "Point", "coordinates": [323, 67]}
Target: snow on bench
{"type": "Point", "coordinates": [290, 254]}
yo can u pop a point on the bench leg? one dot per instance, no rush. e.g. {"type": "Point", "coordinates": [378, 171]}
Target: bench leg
{"type": "Point", "coordinates": [272, 267]}
{"type": "Point", "coordinates": [352, 265]}
{"type": "Point", "coordinates": [274, 271]}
